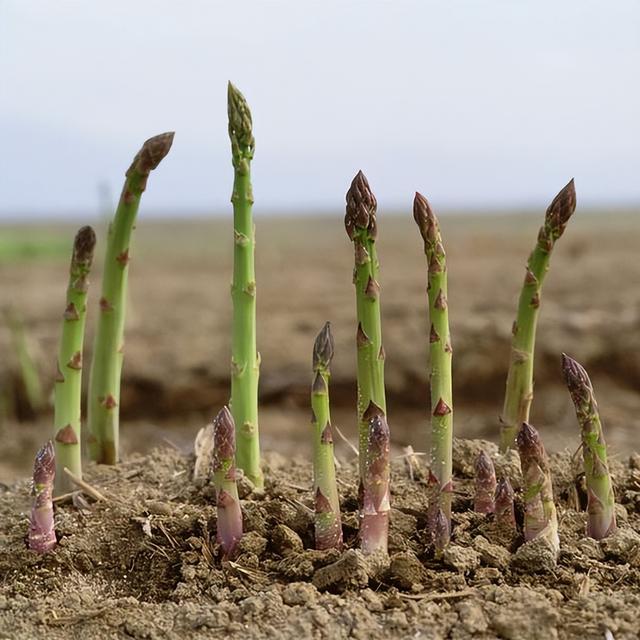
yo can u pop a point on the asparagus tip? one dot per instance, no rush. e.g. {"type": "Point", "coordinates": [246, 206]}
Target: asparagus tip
{"type": "Point", "coordinates": [224, 437]}
{"type": "Point", "coordinates": [323, 348]}
{"type": "Point", "coordinates": [152, 152]}
{"type": "Point", "coordinates": [528, 439]}
{"type": "Point", "coordinates": [562, 208]}
{"type": "Point", "coordinates": [424, 217]}
{"type": "Point", "coordinates": [361, 207]}
{"type": "Point", "coordinates": [575, 374]}
{"type": "Point", "coordinates": [240, 122]}
{"type": "Point", "coordinates": [44, 466]}
{"type": "Point", "coordinates": [84, 244]}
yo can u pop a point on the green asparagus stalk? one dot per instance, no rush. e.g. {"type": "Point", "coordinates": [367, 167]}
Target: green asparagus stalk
{"type": "Point", "coordinates": [229, 529]}
{"type": "Point", "coordinates": [68, 387]}
{"type": "Point", "coordinates": [108, 349]}
{"type": "Point", "coordinates": [245, 360]}
{"type": "Point", "coordinates": [504, 508]}
{"type": "Point", "coordinates": [42, 534]}
{"type": "Point", "coordinates": [485, 484]}
{"type": "Point", "coordinates": [519, 391]}
{"type": "Point", "coordinates": [600, 499]}
{"type": "Point", "coordinates": [360, 224]}
{"type": "Point", "coordinates": [540, 519]}
{"type": "Point", "coordinates": [440, 352]}
{"type": "Point", "coordinates": [328, 527]}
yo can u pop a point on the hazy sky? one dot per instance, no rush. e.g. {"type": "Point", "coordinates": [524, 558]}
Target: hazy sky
{"type": "Point", "coordinates": [475, 103]}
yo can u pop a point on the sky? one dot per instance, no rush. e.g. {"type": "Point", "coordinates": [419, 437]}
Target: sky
{"type": "Point", "coordinates": [477, 104]}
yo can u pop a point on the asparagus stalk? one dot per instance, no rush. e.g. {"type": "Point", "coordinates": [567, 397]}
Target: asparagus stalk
{"type": "Point", "coordinates": [600, 499]}
{"type": "Point", "coordinates": [540, 520]}
{"type": "Point", "coordinates": [108, 349]}
{"type": "Point", "coordinates": [374, 524]}
{"type": "Point", "coordinates": [485, 484]}
{"type": "Point", "coordinates": [504, 508]}
{"type": "Point", "coordinates": [68, 387]}
{"type": "Point", "coordinates": [42, 534]}
{"type": "Point", "coordinates": [519, 390]}
{"type": "Point", "coordinates": [360, 224]}
{"type": "Point", "coordinates": [328, 527]}
{"type": "Point", "coordinates": [229, 530]}
{"type": "Point", "coordinates": [245, 360]}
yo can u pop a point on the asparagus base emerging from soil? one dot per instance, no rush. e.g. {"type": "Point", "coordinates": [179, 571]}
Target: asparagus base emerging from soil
{"type": "Point", "coordinates": [540, 519]}
{"type": "Point", "coordinates": [229, 529]}
{"type": "Point", "coordinates": [245, 360]}
{"type": "Point", "coordinates": [68, 388]}
{"type": "Point", "coordinates": [485, 484]}
{"type": "Point", "coordinates": [600, 498]}
{"type": "Point", "coordinates": [328, 527]}
{"type": "Point", "coordinates": [440, 352]}
{"type": "Point", "coordinates": [42, 534]}
{"type": "Point", "coordinates": [108, 349]}
{"type": "Point", "coordinates": [519, 391]}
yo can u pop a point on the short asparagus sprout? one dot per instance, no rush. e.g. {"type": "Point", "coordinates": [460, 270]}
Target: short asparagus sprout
{"type": "Point", "coordinates": [42, 534]}
{"type": "Point", "coordinates": [108, 348]}
{"type": "Point", "coordinates": [245, 360]}
{"type": "Point", "coordinates": [440, 352]}
{"type": "Point", "coordinates": [504, 508]}
{"type": "Point", "coordinates": [374, 523]}
{"type": "Point", "coordinates": [361, 226]}
{"type": "Point", "coordinates": [519, 390]}
{"type": "Point", "coordinates": [229, 529]}
{"type": "Point", "coordinates": [68, 387]}
{"type": "Point", "coordinates": [485, 484]}
{"type": "Point", "coordinates": [328, 527]}
{"type": "Point", "coordinates": [441, 532]}
{"type": "Point", "coordinates": [540, 519]}
{"type": "Point", "coordinates": [600, 499]}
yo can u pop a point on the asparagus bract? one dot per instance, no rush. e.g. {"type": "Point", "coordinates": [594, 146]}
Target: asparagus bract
{"type": "Point", "coordinates": [360, 224]}
{"type": "Point", "coordinates": [68, 387]}
{"type": "Point", "coordinates": [440, 352]}
{"type": "Point", "coordinates": [504, 508]}
{"type": "Point", "coordinates": [485, 484]}
{"type": "Point", "coordinates": [519, 390]}
{"type": "Point", "coordinates": [245, 360]}
{"type": "Point", "coordinates": [374, 523]}
{"type": "Point", "coordinates": [540, 519]}
{"type": "Point", "coordinates": [600, 499]}
{"type": "Point", "coordinates": [328, 527]}
{"type": "Point", "coordinates": [108, 349]}
{"type": "Point", "coordinates": [42, 534]}
{"type": "Point", "coordinates": [229, 530]}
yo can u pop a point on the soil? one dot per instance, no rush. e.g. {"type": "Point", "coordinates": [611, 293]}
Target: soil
{"type": "Point", "coordinates": [143, 563]}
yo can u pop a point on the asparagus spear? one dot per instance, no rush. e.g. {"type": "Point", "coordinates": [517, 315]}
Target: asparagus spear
{"type": "Point", "coordinates": [229, 531]}
{"type": "Point", "coordinates": [68, 388]}
{"type": "Point", "coordinates": [42, 534]}
{"type": "Point", "coordinates": [440, 352]}
{"type": "Point", "coordinates": [441, 532]}
{"type": "Point", "coordinates": [519, 391]}
{"type": "Point", "coordinates": [504, 509]}
{"type": "Point", "coordinates": [540, 518]}
{"type": "Point", "coordinates": [485, 484]}
{"type": "Point", "coordinates": [374, 524]}
{"type": "Point", "coordinates": [245, 360]}
{"type": "Point", "coordinates": [360, 224]}
{"type": "Point", "coordinates": [601, 502]}
{"type": "Point", "coordinates": [328, 527]}
{"type": "Point", "coordinates": [108, 349]}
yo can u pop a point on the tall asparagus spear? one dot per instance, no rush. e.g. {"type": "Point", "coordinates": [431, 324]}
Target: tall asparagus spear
{"type": "Point", "coordinates": [374, 524]}
{"type": "Point", "coordinates": [519, 391]}
{"type": "Point", "coordinates": [42, 534]}
{"type": "Point", "coordinates": [440, 352]}
{"type": "Point", "coordinates": [328, 527]}
{"type": "Point", "coordinates": [360, 224]}
{"type": "Point", "coordinates": [485, 484]}
{"type": "Point", "coordinates": [540, 519]}
{"type": "Point", "coordinates": [600, 499]}
{"type": "Point", "coordinates": [229, 530]}
{"type": "Point", "coordinates": [68, 388]}
{"type": "Point", "coordinates": [108, 349]}
{"type": "Point", "coordinates": [245, 360]}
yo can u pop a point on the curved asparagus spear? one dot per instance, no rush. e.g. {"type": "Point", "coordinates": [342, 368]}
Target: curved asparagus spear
{"type": "Point", "coordinates": [229, 528]}
{"type": "Point", "coordinates": [374, 523]}
{"type": "Point", "coordinates": [519, 391]}
{"type": "Point", "coordinates": [485, 484]}
{"type": "Point", "coordinates": [540, 518]}
{"type": "Point", "coordinates": [328, 527]}
{"type": "Point", "coordinates": [245, 360]}
{"type": "Point", "coordinates": [504, 508]}
{"type": "Point", "coordinates": [108, 349]}
{"type": "Point", "coordinates": [360, 224]}
{"type": "Point", "coordinates": [68, 388]}
{"type": "Point", "coordinates": [42, 534]}
{"type": "Point", "coordinates": [601, 502]}
{"type": "Point", "coordinates": [440, 352]}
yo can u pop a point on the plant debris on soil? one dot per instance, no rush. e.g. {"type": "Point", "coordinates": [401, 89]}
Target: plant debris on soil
{"type": "Point", "coordinates": [143, 563]}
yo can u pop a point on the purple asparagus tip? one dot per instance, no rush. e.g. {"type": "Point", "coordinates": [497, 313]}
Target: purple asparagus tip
{"type": "Point", "coordinates": [224, 437]}
{"type": "Point", "coordinates": [485, 484]}
{"type": "Point", "coordinates": [323, 348]}
{"type": "Point", "coordinates": [504, 508]}
{"type": "Point", "coordinates": [361, 207]}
